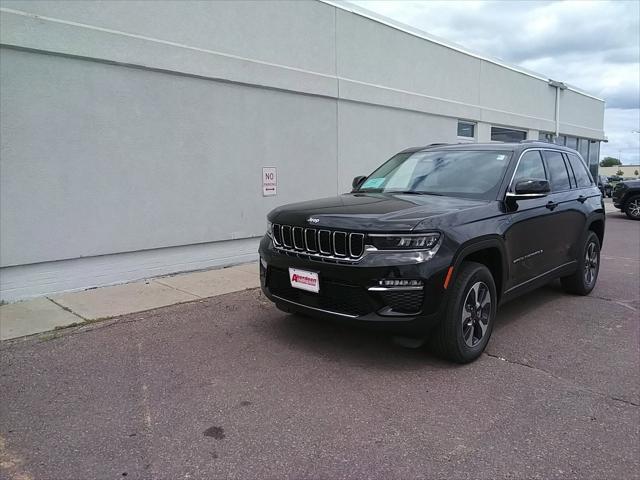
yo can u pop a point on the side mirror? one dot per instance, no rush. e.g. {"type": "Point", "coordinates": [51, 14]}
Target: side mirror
{"type": "Point", "coordinates": [357, 181]}
{"type": "Point", "coordinates": [529, 188]}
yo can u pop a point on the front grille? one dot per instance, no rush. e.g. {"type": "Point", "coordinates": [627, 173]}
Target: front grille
{"type": "Point", "coordinates": [333, 296]}
{"type": "Point", "coordinates": [325, 243]}
{"type": "Point", "coordinates": [408, 301]}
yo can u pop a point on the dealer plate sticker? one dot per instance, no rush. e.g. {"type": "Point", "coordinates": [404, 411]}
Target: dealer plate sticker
{"type": "Point", "coordinates": [304, 280]}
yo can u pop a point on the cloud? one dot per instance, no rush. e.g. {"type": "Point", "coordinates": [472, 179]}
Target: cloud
{"type": "Point", "coordinates": [592, 45]}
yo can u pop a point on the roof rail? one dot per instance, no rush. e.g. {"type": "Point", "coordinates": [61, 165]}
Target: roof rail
{"type": "Point", "coordinates": [437, 144]}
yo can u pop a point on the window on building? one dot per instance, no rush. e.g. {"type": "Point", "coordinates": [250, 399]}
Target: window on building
{"type": "Point", "coordinates": [560, 140]}
{"type": "Point", "coordinates": [466, 129]}
{"type": "Point", "coordinates": [530, 166]}
{"type": "Point", "coordinates": [580, 171]}
{"type": "Point", "coordinates": [557, 171]}
{"type": "Point", "coordinates": [583, 148]}
{"type": "Point", "coordinates": [572, 142]}
{"type": "Point", "coordinates": [594, 158]}
{"type": "Point", "coordinates": [499, 134]}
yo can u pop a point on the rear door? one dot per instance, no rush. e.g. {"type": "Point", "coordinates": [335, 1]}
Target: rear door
{"type": "Point", "coordinates": [588, 198]}
{"type": "Point", "coordinates": [566, 207]}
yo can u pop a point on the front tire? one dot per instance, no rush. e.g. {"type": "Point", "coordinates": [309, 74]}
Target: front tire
{"type": "Point", "coordinates": [632, 207]}
{"type": "Point", "coordinates": [465, 331]}
{"type": "Point", "coordinates": [586, 275]}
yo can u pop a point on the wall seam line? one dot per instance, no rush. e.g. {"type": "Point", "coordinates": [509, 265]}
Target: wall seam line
{"type": "Point", "coordinates": [335, 67]}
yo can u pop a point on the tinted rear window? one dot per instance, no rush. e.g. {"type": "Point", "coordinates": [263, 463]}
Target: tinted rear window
{"type": "Point", "coordinates": [580, 171]}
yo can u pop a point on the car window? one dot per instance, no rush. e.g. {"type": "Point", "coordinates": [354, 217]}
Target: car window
{"type": "Point", "coordinates": [557, 171]}
{"type": "Point", "coordinates": [580, 171]}
{"type": "Point", "coordinates": [530, 166]}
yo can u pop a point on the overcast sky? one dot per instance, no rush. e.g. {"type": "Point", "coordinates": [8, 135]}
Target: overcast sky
{"type": "Point", "coordinates": [592, 45]}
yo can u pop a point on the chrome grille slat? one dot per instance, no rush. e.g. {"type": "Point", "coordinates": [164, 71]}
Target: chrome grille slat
{"type": "Point", "coordinates": [298, 238]}
{"type": "Point", "coordinates": [325, 245]}
{"type": "Point", "coordinates": [277, 235]}
{"type": "Point", "coordinates": [311, 240]}
{"type": "Point", "coordinates": [287, 241]}
{"type": "Point", "coordinates": [324, 240]}
{"type": "Point", "coordinates": [340, 244]}
{"type": "Point", "coordinates": [356, 244]}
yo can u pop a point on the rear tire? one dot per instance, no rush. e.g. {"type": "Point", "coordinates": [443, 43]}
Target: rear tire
{"type": "Point", "coordinates": [632, 207]}
{"type": "Point", "coordinates": [465, 331]}
{"type": "Point", "coordinates": [586, 275]}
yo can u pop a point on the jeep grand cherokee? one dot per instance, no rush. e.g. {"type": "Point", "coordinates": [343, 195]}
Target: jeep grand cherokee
{"type": "Point", "coordinates": [436, 238]}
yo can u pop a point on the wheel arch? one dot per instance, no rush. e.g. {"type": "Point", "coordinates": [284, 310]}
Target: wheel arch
{"type": "Point", "coordinates": [596, 225]}
{"type": "Point", "coordinates": [489, 251]}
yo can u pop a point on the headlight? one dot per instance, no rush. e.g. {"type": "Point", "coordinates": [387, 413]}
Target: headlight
{"type": "Point", "coordinates": [426, 241]}
{"type": "Point", "coordinates": [270, 229]}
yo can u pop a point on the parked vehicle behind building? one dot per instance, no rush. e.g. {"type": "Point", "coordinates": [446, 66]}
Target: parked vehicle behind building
{"type": "Point", "coordinates": [626, 197]}
{"type": "Point", "coordinates": [436, 238]}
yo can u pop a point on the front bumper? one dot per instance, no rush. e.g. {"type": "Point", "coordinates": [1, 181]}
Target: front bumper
{"type": "Point", "coordinates": [345, 288]}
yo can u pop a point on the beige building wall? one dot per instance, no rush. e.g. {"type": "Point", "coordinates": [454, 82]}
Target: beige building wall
{"type": "Point", "coordinates": [627, 170]}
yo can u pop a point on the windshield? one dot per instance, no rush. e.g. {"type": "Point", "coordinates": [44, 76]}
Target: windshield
{"type": "Point", "coordinates": [456, 173]}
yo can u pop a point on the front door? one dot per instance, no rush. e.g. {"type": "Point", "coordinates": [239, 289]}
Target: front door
{"type": "Point", "coordinates": [533, 227]}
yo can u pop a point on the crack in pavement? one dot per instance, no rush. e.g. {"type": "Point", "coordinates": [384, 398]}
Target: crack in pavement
{"type": "Point", "coordinates": [622, 303]}
{"type": "Point", "coordinates": [66, 309]}
{"type": "Point", "coordinates": [564, 380]}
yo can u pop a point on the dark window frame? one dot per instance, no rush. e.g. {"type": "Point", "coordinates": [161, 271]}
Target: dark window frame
{"type": "Point", "coordinates": [466, 122]}
{"type": "Point", "coordinates": [572, 174]}
{"type": "Point", "coordinates": [506, 130]}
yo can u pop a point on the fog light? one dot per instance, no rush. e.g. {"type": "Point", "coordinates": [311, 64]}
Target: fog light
{"type": "Point", "coordinates": [389, 282]}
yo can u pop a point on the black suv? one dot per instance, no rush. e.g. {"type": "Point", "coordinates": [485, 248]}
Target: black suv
{"type": "Point", "coordinates": [626, 197]}
{"type": "Point", "coordinates": [435, 239]}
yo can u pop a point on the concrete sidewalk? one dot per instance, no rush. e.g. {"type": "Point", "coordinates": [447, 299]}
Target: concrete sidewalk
{"type": "Point", "coordinates": [69, 309]}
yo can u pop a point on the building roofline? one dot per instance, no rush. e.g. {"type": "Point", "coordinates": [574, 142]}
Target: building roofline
{"type": "Point", "coordinates": [363, 12]}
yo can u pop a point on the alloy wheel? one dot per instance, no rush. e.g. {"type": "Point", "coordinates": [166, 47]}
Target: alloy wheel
{"type": "Point", "coordinates": [590, 263]}
{"type": "Point", "coordinates": [476, 312]}
{"type": "Point", "coordinates": [634, 208]}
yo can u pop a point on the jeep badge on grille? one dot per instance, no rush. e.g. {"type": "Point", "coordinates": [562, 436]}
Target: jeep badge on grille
{"type": "Point", "coordinates": [313, 220]}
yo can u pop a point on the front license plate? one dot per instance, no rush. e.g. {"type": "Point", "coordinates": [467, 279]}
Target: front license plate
{"type": "Point", "coordinates": [304, 280]}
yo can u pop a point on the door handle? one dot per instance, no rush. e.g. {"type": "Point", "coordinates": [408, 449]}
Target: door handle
{"type": "Point", "coordinates": [551, 205]}
{"type": "Point", "coordinates": [582, 199]}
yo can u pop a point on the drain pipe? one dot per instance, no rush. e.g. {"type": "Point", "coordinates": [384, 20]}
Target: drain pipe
{"type": "Point", "coordinates": [558, 86]}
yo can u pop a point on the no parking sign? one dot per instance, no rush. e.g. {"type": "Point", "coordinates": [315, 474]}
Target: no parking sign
{"type": "Point", "coordinates": [269, 181]}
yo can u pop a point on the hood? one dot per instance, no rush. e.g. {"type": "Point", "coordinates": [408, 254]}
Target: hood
{"type": "Point", "coordinates": [631, 183]}
{"type": "Point", "coordinates": [371, 211]}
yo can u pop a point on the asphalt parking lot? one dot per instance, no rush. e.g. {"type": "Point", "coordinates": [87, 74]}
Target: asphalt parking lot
{"type": "Point", "coordinates": [230, 387]}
